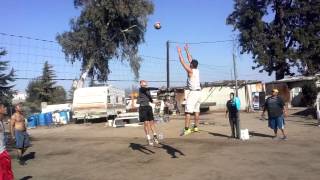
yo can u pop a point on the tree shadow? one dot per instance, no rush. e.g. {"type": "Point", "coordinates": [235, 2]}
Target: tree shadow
{"type": "Point", "coordinates": [26, 178]}
{"type": "Point", "coordinates": [29, 156]}
{"type": "Point", "coordinates": [141, 148]}
{"type": "Point", "coordinates": [252, 133]}
{"type": "Point", "coordinates": [171, 150]}
{"type": "Point", "coordinates": [307, 112]}
{"type": "Point", "coordinates": [311, 124]}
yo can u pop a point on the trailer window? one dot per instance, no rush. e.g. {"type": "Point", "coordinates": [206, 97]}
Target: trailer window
{"type": "Point", "coordinates": [108, 99]}
{"type": "Point", "coordinates": [117, 100]}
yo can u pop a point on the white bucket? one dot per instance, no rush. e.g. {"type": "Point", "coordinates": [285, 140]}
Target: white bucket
{"type": "Point", "coordinates": [110, 123]}
{"type": "Point", "coordinates": [160, 136]}
{"type": "Point", "coordinates": [318, 117]}
{"type": "Point", "coordinates": [244, 134]}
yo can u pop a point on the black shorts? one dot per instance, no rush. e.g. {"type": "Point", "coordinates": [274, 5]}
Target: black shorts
{"type": "Point", "coordinates": [145, 113]}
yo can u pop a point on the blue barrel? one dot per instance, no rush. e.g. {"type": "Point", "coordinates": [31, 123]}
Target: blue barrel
{"type": "Point", "coordinates": [64, 116]}
{"type": "Point", "coordinates": [36, 116]}
{"type": "Point", "coordinates": [32, 121]}
{"type": "Point", "coordinates": [42, 120]}
{"type": "Point", "coordinates": [48, 118]}
{"type": "Point", "coordinates": [68, 116]}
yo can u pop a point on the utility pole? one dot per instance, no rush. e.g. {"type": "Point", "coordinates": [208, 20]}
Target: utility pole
{"type": "Point", "coordinates": [234, 66]}
{"type": "Point", "coordinates": [168, 69]}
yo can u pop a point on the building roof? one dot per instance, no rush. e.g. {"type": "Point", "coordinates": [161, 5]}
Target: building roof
{"type": "Point", "coordinates": [294, 79]}
{"type": "Point", "coordinates": [229, 83]}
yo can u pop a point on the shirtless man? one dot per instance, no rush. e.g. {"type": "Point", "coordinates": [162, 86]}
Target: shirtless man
{"type": "Point", "coordinates": [19, 132]}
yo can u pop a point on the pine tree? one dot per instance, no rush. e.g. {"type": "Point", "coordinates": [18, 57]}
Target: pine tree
{"type": "Point", "coordinates": [59, 95]}
{"type": "Point", "coordinates": [47, 83]}
{"type": "Point", "coordinates": [6, 80]}
{"type": "Point", "coordinates": [33, 101]}
{"type": "Point", "coordinates": [44, 89]}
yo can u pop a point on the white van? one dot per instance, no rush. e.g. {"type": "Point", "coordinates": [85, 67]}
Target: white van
{"type": "Point", "coordinates": [98, 102]}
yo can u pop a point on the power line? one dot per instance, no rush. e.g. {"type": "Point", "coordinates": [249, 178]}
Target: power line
{"type": "Point", "coordinates": [26, 37]}
{"type": "Point", "coordinates": [203, 42]}
{"type": "Point", "coordinates": [72, 79]}
{"type": "Point", "coordinates": [147, 56]}
{"type": "Point", "coordinates": [215, 68]}
{"type": "Point", "coordinates": [176, 60]}
{"type": "Point", "coordinates": [50, 41]}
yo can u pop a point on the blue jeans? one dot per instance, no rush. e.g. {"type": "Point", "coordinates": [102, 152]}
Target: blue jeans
{"type": "Point", "coordinates": [22, 139]}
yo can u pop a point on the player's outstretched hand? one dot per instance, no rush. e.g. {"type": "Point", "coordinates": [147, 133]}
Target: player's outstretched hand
{"type": "Point", "coordinates": [186, 47]}
{"type": "Point", "coordinates": [178, 49]}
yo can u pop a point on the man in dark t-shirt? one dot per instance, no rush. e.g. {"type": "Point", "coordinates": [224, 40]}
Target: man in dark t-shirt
{"type": "Point", "coordinates": [146, 112]}
{"type": "Point", "coordinates": [276, 112]}
{"type": "Point", "coordinates": [233, 113]}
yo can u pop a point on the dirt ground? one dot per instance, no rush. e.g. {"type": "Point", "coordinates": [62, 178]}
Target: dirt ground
{"type": "Point", "coordinates": [96, 152]}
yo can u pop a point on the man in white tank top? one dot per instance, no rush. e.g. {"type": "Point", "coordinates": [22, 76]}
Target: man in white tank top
{"type": "Point", "coordinates": [193, 94]}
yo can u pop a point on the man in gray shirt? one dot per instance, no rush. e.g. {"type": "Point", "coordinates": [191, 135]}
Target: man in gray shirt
{"type": "Point", "coordinates": [146, 112]}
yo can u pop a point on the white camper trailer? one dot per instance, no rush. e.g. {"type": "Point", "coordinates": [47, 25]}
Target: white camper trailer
{"type": "Point", "coordinates": [98, 102]}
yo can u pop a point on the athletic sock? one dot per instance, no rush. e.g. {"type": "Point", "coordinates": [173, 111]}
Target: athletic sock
{"type": "Point", "coordinates": [148, 137]}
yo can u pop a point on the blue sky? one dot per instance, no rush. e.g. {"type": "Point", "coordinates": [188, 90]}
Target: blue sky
{"type": "Point", "coordinates": [182, 21]}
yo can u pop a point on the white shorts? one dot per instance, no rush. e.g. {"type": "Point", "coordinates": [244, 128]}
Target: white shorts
{"type": "Point", "coordinates": [193, 102]}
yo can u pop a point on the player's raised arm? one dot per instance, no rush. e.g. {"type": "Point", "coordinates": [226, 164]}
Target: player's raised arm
{"type": "Point", "coordinates": [185, 66]}
{"type": "Point", "coordinates": [186, 48]}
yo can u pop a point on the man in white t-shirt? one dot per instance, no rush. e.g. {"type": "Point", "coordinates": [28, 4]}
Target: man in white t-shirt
{"type": "Point", "coordinates": [194, 91]}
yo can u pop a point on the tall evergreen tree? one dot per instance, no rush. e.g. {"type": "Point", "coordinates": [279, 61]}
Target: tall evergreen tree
{"type": "Point", "coordinates": [33, 90]}
{"type": "Point", "coordinates": [280, 34]}
{"type": "Point", "coordinates": [47, 83]}
{"type": "Point", "coordinates": [44, 89]}
{"type": "Point", "coordinates": [106, 29]}
{"type": "Point", "coordinates": [6, 80]}
{"type": "Point", "coordinates": [59, 95]}
{"type": "Point", "coordinates": [33, 100]}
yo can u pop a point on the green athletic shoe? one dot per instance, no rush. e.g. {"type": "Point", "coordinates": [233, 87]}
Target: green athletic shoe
{"type": "Point", "coordinates": [196, 129]}
{"type": "Point", "coordinates": [187, 132]}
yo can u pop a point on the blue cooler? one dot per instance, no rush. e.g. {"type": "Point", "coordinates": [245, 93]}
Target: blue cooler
{"type": "Point", "coordinates": [64, 117]}
{"type": "Point", "coordinates": [42, 120]}
{"type": "Point", "coordinates": [32, 121]}
{"type": "Point", "coordinates": [48, 118]}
